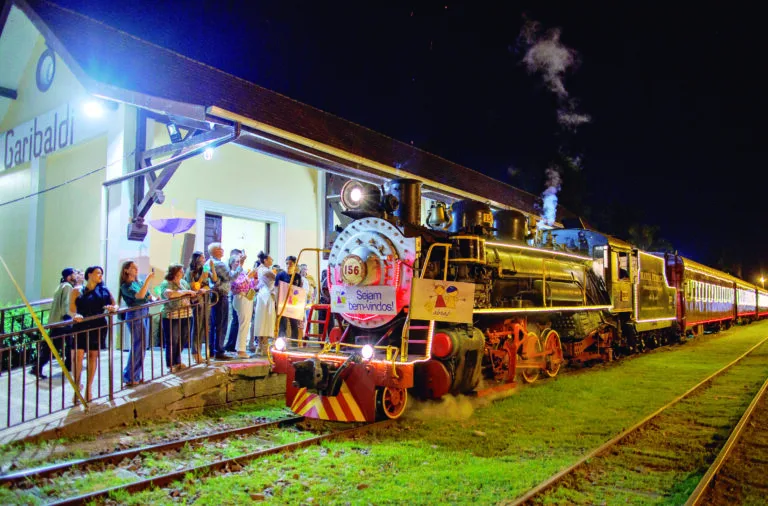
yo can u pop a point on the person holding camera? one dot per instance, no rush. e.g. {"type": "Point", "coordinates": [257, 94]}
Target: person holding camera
{"type": "Point", "coordinates": [135, 294]}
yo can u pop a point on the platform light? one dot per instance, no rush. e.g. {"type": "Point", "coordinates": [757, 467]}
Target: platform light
{"type": "Point", "coordinates": [208, 153]}
{"type": "Point", "coordinates": [173, 132]}
{"type": "Point", "coordinates": [367, 352]}
{"type": "Point", "coordinates": [93, 109]}
{"type": "Point", "coordinates": [280, 344]}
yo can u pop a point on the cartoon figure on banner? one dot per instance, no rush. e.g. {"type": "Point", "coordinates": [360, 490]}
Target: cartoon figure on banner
{"type": "Point", "coordinates": [294, 297]}
{"type": "Point", "coordinates": [342, 298]}
{"type": "Point", "coordinates": [443, 298]}
{"type": "Point", "coordinates": [451, 294]}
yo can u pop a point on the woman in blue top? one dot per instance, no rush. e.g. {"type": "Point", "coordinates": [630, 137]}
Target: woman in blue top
{"type": "Point", "coordinates": [92, 299]}
{"type": "Point", "coordinates": [135, 295]}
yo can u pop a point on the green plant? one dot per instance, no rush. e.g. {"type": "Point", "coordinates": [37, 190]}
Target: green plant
{"type": "Point", "coordinates": [16, 320]}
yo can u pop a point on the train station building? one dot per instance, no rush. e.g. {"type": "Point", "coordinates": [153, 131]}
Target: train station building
{"type": "Point", "coordinates": [115, 148]}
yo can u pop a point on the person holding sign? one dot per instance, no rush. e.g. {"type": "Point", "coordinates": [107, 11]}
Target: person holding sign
{"type": "Point", "coordinates": [285, 277]}
{"type": "Point", "coordinates": [264, 303]}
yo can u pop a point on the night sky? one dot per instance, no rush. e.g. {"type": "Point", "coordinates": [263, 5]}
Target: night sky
{"type": "Point", "coordinates": [676, 96]}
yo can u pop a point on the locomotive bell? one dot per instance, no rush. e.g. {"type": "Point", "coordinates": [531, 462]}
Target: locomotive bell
{"type": "Point", "coordinates": [439, 217]}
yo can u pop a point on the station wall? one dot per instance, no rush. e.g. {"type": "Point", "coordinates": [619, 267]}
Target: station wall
{"type": "Point", "coordinates": [63, 227]}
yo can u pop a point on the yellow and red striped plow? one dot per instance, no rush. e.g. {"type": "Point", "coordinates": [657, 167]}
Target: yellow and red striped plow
{"type": "Point", "coordinates": [340, 408]}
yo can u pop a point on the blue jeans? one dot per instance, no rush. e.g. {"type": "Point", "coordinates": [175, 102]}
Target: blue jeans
{"type": "Point", "coordinates": [233, 327]}
{"type": "Point", "coordinates": [219, 315]}
{"type": "Point", "coordinates": [137, 324]}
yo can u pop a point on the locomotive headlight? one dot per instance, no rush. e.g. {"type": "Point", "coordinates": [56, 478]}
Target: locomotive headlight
{"type": "Point", "coordinates": [280, 344]}
{"type": "Point", "coordinates": [367, 352]}
{"type": "Point", "coordinates": [359, 196]}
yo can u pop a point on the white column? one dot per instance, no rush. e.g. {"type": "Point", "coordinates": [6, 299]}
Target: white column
{"type": "Point", "coordinates": [35, 229]}
{"type": "Point", "coordinates": [121, 140]}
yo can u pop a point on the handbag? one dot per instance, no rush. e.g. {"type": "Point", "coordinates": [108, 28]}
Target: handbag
{"type": "Point", "coordinates": [251, 294]}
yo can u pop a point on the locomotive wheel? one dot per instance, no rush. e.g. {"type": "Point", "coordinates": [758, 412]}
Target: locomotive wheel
{"type": "Point", "coordinates": [530, 346]}
{"type": "Point", "coordinates": [554, 351]}
{"type": "Point", "coordinates": [391, 402]}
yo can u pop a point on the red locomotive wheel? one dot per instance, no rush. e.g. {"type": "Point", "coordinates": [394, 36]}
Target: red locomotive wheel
{"type": "Point", "coordinates": [554, 353]}
{"type": "Point", "coordinates": [531, 351]}
{"type": "Point", "coordinates": [391, 401]}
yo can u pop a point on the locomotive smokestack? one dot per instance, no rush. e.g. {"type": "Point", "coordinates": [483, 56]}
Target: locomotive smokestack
{"type": "Point", "coordinates": [408, 192]}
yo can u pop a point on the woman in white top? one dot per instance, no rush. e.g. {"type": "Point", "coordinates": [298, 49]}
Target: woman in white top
{"type": "Point", "coordinates": [264, 325]}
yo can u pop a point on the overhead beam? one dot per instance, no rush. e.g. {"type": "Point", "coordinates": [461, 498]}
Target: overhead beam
{"type": "Point", "coordinates": [190, 141]}
{"type": "Point", "coordinates": [8, 93]}
{"type": "Point", "coordinates": [189, 123]}
{"type": "Point", "coordinates": [193, 144]}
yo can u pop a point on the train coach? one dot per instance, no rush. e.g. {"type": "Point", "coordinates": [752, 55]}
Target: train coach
{"type": "Point", "coordinates": [474, 299]}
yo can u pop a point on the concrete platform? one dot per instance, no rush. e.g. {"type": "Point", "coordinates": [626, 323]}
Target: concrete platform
{"type": "Point", "coordinates": [191, 390]}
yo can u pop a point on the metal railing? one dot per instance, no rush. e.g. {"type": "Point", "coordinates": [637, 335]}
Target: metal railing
{"type": "Point", "coordinates": [108, 353]}
{"type": "Point", "coordinates": [15, 318]}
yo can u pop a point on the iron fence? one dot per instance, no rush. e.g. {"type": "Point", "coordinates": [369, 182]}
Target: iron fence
{"type": "Point", "coordinates": [108, 353]}
{"type": "Point", "coordinates": [15, 318]}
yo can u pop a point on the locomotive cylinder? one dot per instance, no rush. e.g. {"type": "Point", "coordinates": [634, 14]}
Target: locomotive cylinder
{"type": "Point", "coordinates": [408, 193]}
{"type": "Point", "coordinates": [471, 217]}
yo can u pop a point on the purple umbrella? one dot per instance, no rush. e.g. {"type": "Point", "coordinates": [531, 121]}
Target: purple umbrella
{"type": "Point", "coordinates": [172, 225]}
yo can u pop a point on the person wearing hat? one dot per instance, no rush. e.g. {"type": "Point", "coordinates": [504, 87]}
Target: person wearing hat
{"type": "Point", "coordinates": [59, 312]}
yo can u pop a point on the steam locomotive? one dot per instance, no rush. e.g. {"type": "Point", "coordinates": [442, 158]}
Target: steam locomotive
{"type": "Point", "coordinates": [473, 297]}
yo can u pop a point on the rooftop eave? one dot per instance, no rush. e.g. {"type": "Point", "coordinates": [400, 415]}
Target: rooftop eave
{"type": "Point", "coordinates": [356, 160]}
{"type": "Point", "coordinates": [156, 104]}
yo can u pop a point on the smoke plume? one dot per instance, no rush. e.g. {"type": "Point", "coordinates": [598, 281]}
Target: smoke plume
{"type": "Point", "coordinates": [546, 56]}
{"type": "Point", "coordinates": [549, 197]}
{"type": "Point", "coordinates": [447, 407]}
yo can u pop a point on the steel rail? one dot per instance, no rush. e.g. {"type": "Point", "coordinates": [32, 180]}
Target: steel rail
{"type": "Point", "coordinates": [117, 457]}
{"type": "Point", "coordinates": [166, 479]}
{"type": "Point", "coordinates": [698, 493]}
{"type": "Point", "coordinates": [556, 478]}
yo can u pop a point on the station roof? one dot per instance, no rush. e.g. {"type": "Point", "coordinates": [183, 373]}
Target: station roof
{"type": "Point", "coordinates": [117, 65]}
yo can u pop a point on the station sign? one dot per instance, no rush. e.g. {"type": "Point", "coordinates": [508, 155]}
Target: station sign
{"type": "Point", "coordinates": [442, 301]}
{"type": "Point", "coordinates": [49, 132]}
{"type": "Point", "coordinates": [378, 300]}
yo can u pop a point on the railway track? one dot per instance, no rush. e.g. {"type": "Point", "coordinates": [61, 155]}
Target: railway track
{"type": "Point", "coordinates": [737, 476]}
{"type": "Point", "coordinates": [662, 451]}
{"type": "Point", "coordinates": [268, 437]}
